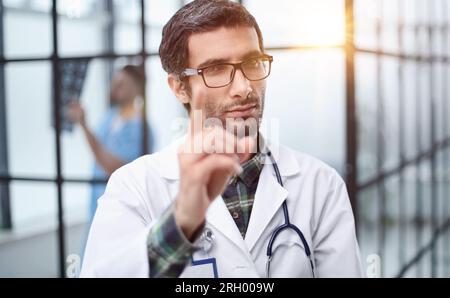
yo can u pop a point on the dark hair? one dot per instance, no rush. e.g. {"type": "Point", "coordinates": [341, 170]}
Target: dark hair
{"type": "Point", "coordinates": [197, 17]}
{"type": "Point", "coordinates": [138, 76]}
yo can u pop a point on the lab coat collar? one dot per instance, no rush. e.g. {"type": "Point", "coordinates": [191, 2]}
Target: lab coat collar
{"type": "Point", "coordinates": [219, 217]}
{"type": "Point", "coordinates": [269, 196]}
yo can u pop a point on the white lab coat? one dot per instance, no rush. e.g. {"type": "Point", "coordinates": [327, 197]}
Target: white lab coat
{"type": "Point", "coordinates": [138, 193]}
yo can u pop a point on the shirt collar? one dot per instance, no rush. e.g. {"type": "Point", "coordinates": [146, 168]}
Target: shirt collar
{"type": "Point", "coordinates": [251, 171]}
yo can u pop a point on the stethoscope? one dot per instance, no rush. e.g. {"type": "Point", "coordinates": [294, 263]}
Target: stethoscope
{"type": "Point", "coordinates": [207, 237]}
{"type": "Point", "coordinates": [287, 225]}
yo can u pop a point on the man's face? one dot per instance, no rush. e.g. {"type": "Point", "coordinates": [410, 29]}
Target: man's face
{"type": "Point", "coordinates": [123, 88]}
{"type": "Point", "coordinates": [242, 99]}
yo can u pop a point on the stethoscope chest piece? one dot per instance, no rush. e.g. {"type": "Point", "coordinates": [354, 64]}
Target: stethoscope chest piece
{"type": "Point", "coordinates": [207, 240]}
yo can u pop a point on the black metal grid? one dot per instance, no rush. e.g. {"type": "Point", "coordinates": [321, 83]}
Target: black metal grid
{"type": "Point", "coordinates": [427, 154]}
{"type": "Point", "coordinates": [55, 59]}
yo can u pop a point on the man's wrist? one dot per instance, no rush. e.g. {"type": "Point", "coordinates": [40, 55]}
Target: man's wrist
{"type": "Point", "coordinates": [168, 248]}
{"type": "Point", "coordinates": [188, 225]}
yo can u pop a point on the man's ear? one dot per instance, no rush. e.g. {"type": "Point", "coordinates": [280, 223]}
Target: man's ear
{"type": "Point", "coordinates": [178, 88]}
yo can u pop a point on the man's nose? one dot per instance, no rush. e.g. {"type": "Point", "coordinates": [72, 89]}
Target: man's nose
{"type": "Point", "coordinates": [240, 86]}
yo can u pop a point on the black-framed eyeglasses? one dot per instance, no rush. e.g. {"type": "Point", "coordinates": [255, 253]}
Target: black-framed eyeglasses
{"type": "Point", "coordinates": [222, 74]}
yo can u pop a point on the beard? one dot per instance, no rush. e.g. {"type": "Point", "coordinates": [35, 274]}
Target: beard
{"type": "Point", "coordinates": [240, 127]}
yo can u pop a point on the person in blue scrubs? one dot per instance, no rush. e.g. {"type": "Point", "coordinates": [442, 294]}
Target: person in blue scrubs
{"type": "Point", "coordinates": [118, 139]}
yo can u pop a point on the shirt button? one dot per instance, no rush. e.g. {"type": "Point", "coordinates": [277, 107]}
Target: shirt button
{"type": "Point", "coordinates": [235, 215]}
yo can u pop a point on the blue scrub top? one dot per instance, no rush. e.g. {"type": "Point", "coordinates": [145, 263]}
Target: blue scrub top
{"type": "Point", "coordinates": [125, 142]}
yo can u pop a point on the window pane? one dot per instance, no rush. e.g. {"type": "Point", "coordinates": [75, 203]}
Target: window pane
{"type": "Point", "coordinates": [27, 30]}
{"type": "Point", "coordinates": [424, 202]}
{"type": "Point", "coordinates": [33, 205]}
{"type": "Point", "coordinates": [442, 255]}
{"type": "Point", "coordinates": [389, 26]}
{"type": "Point", "coordinates": [158, 13]}
{"type": "Point", "coordinates": [438, 18]}
{"type": "Point", "coordinates": [446, 212]}
{"type": "Point", "coordinates": [438, 100]}
{"type": "Point", "coordinates": [304, 98]}
{"type": "Point", "coordinates": [440, 187]}
{"type": "Point", "coordinates": [318, 22]}
{"type": "Point", "coordinates": [390, 123]}
{"type": "Point", "coordinates": [76, 216]}
{"type": "Point", "coordinates": [76, 203]}
{"type": "Point", "coordinates": [127, 10]}
{"type": "Point", "coordinates": [424, 106]}
{"type": "Point", "coordinates": [443, 192]}
{"type": "Point", "coordinates": [77, 157]}
{"type": "Point", "coordinates": [391, 224]}
{"type": "Point", "coordinates": [82, 26]}
{"type": "Point", "coordinates": [127, 34]}
{"type": "Point", "coordinates": [410, 16]}
{"type": "Point", "coordinates": [447, 99]}
{"type": "Point", "coordinates": [366, 14]}
{"type": "Point", "coordinates": [425, 263]}
{"type": "Point", "coordinates": [409, 40]}
{"type": "Point", "coordinates": [78, 9]}
{"type": "Point", "coordinates": [31, 146]}
{"type": "Point", "coordinates": [166, 115]}
{"type": "Point", "coordinates": [366, 99]}
{"type": "Point", "coordinates": [410, 209]}
{"type": "Point", "coordinates": [368, 210]}
{"type": "Point", "coordinates": [410, 108]}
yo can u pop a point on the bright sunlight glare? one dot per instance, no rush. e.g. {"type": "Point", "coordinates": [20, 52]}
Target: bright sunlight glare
{"type": "Point", "coordinates": [319, 22]}
{"type": "Point", "coordinates": [300, 22]}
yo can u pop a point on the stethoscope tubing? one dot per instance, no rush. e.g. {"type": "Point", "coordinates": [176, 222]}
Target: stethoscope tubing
{"type": "Point", "coordinates": [287, 225]}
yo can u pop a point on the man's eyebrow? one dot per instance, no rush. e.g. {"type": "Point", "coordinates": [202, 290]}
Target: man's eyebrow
{"type": "Point", "coordinates": [212, 61]}
{"type": "Point", "coordinates": [252, 54]}
{"type": "Point", "coordinates": [222, 60]}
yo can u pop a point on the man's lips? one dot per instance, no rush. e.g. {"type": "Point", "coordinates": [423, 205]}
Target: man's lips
{"type": "Point", "coordinates": [241, 111]}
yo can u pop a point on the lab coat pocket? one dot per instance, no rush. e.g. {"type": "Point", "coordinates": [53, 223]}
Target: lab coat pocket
{"type": "Point", "coordinates": [289, 259]}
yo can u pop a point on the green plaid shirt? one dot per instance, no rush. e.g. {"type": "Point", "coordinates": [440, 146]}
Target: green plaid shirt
{"type": "Point", "coordinates": [168, 249]}
{"type": "Point", "coordinates": [240, 193]}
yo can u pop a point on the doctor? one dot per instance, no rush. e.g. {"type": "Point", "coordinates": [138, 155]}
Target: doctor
{"type": "Point", "coordinates": [223, 201]}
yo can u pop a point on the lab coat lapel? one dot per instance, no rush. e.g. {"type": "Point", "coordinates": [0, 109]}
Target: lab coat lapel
{"type": "Point", "coordinates": [269, 196]}
{"type": "Point", "coordinates": [219, 217]}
